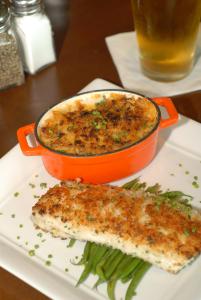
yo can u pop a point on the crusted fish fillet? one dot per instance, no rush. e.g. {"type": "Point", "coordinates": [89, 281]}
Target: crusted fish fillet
{"type": "Point", "coordinates": [168, 236]}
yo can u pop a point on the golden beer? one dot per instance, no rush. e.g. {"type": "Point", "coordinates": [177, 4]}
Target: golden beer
{"type": "Point", "coordinates": [167, 34]}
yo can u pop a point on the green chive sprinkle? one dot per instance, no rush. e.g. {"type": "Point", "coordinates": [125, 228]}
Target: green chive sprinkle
{"type": "Point", "coordinates": [48, 262]}
{"type": "Point", "coordinates": [31, 252]}
{"type": "Point", "coordinates": [36, 246]}
{"type": "Point", "coordinates": [194, 229]}
{"type": "Point", "coordinates": [187, 172]}
{"type": "Point", "coordinates": [40, 234]}
{"type": "Point", "coordinates": [32, 185]}
{"type": "Point", "coordinates": [195, 185]}
{"type": "Point", "coordinates": [21, 225]}
{"type": "Point", "coordinates": [186, 232]}
{"type": "Point", "coordinates": [50, 256]}
{"type": "Point", "coordinates": [43, 185]}
{"type": "Point", "coordinates": [66, 269]}
{"type": "Point", "coordinates": [195, 177]}
{"type": "Point", "coordinates": [16, 194]}
{"type": "Point", "coordinates": [13, 216]}
{"type": "Point", "coordinates": [180, 165]}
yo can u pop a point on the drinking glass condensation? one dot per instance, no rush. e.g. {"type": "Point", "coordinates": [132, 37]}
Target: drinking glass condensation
{"type": "Point", "coordinates": [167, 33]}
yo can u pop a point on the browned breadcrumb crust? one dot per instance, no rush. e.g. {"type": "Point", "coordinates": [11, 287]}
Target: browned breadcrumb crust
{"type": "Point", "coordinates": [102, 127]}
{"type": "Point", "coordinates": [131, 216]}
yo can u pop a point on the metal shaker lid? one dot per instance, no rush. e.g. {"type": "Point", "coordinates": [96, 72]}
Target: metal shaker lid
{"type": "Point", "coordinates": [4, 16]}
{"type": "Point", "coordinates": [25, 7]}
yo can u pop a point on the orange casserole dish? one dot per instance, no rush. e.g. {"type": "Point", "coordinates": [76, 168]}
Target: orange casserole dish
{"type": "Point", "coordinates": [98, 136]}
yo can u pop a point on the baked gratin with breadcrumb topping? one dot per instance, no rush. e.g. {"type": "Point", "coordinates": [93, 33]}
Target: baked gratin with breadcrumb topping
{"type": "Point", "coordinates": [163, 232]}
{"type": "Point", "coordinates": [113, 122]}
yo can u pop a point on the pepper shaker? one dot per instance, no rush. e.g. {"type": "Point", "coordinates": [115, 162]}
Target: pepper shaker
{"type": "Point", "coordinates": [34, 32]}
{"type": "Point", "coordinates": [11, 71]}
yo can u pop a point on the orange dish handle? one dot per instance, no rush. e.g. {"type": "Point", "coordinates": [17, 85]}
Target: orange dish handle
{"type": "Point", "coordinates": [22, 134]}
{"type": "Point", "coordinates": [172, 112]}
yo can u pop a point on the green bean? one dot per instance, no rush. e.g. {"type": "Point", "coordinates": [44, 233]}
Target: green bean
{"type": "Point", "coordinates": [88, 266]}
{"type": "Point", "coordinates": [101, 250]}
{"type": "Point", "coordinates": [140, 272]}
{"type": "Point", "coordinates": [130, 184]}
{"type": "Point", "coordinates": [71, 243]}
{"type": "Point", "coordinates": [116, 275]}
{"type": "Point", "coordinates": [110, 289]}
{"type": "Point", "coordinates": [109, 269]}
{"type": "Point", "coordinates": [85, 255]}
{"type": "Point", "coordinates": [175, 194]}
{"type": "Point", "coordinates": [100, 270]}
{"type": "Point", "coordinates": [125, 276]}
{"type": "Point", "coordinates": [127, 259]}
{"type": "Point", "coordinates": [154, 189]}
{"type": "Point", "coordinates": [111, 258]}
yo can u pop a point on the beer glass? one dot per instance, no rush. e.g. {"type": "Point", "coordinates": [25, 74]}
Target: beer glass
{"type": "Point", "coordinates": [167, 33]}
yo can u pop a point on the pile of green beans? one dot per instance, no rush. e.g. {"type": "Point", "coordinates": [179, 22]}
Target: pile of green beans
{"type": "Point", "coordinates": [111, 265]}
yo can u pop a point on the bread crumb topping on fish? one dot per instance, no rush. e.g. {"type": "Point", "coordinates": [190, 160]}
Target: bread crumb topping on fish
{"type": "Point", "coordinates": [166, 234]}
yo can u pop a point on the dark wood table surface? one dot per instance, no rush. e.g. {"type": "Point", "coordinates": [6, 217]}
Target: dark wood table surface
{"type": "Point", "coordinates": [80, 28]}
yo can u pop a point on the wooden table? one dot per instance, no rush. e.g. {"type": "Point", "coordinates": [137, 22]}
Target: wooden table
{"type": "Point", "coordinates": [80, 27]}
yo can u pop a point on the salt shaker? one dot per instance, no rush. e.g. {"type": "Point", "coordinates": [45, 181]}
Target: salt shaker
{"type": "Point", "coordinates": [33, 29]}
{"type": "Point", "coordinates": [11, 71]}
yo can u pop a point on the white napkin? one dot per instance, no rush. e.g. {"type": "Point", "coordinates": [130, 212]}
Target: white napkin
{"type": "Point", "coordinates": [124, 51]}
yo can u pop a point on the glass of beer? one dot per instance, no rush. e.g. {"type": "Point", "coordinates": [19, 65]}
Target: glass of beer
{"type": "Point", "coordinates": [167, 32]}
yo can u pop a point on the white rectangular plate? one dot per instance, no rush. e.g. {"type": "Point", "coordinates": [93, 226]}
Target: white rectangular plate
{"type": "Point", "coordinates": [45, 262]}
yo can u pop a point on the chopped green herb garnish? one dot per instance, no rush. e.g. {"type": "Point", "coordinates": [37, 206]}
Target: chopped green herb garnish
{"type": "Point", "coordinates": [50, 255]}
{"type": "Point", "coordinates": [186, 232]}
{"type": "Point", "coordinates": [36, 246]}
{"type": "Point", "coordinates": [66, 269]}
{"type": "Point", "coordinates": [32, 185]}
{"type": "Point", "coordinates": [43, 240]}
{"type": "Point", "coordinates": [36, 196]}
{"type": "Point", "coordinates": [36, 175]}
{"type": "Point", "coordinates": [116, 138]}
{"type": "Point", "coordinates": [195, 184]}
{"type": "Point", "coordinates": [48, 262]}
{"type": "Point", "coordinates": [187, 172]}
{"type": "Point", "coordinates": [194, 229]}
{"type": "Point", "coordinates": [96, 113]}
{"type": "Point", "coordinates": [21, 225]}
{"type": "Point", "coordinates": [1, 214]}
{"type": "Point", "coordinates": [32, 252]}
{"type": "Point", "coordinates": [13, 216]}
{"type": "Point", "coordinates": [43, 185]}
{"type": "Point", "coordinates": [18, 237]}
{"type": "Point", "coordinates": [195, 177]}
{"type": "Point", "coordinates": [90, 218]}
{"type": "Point", "coordinates": [16, 194]}
{"type": "Point", "coordinates": [180, 165]}
{"type": "Point", "coordinates": [100, 124]}
{"type": "Point", "coordinates": [40, 234]}
{"type": "Point", "coordinates": [172, 174]}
